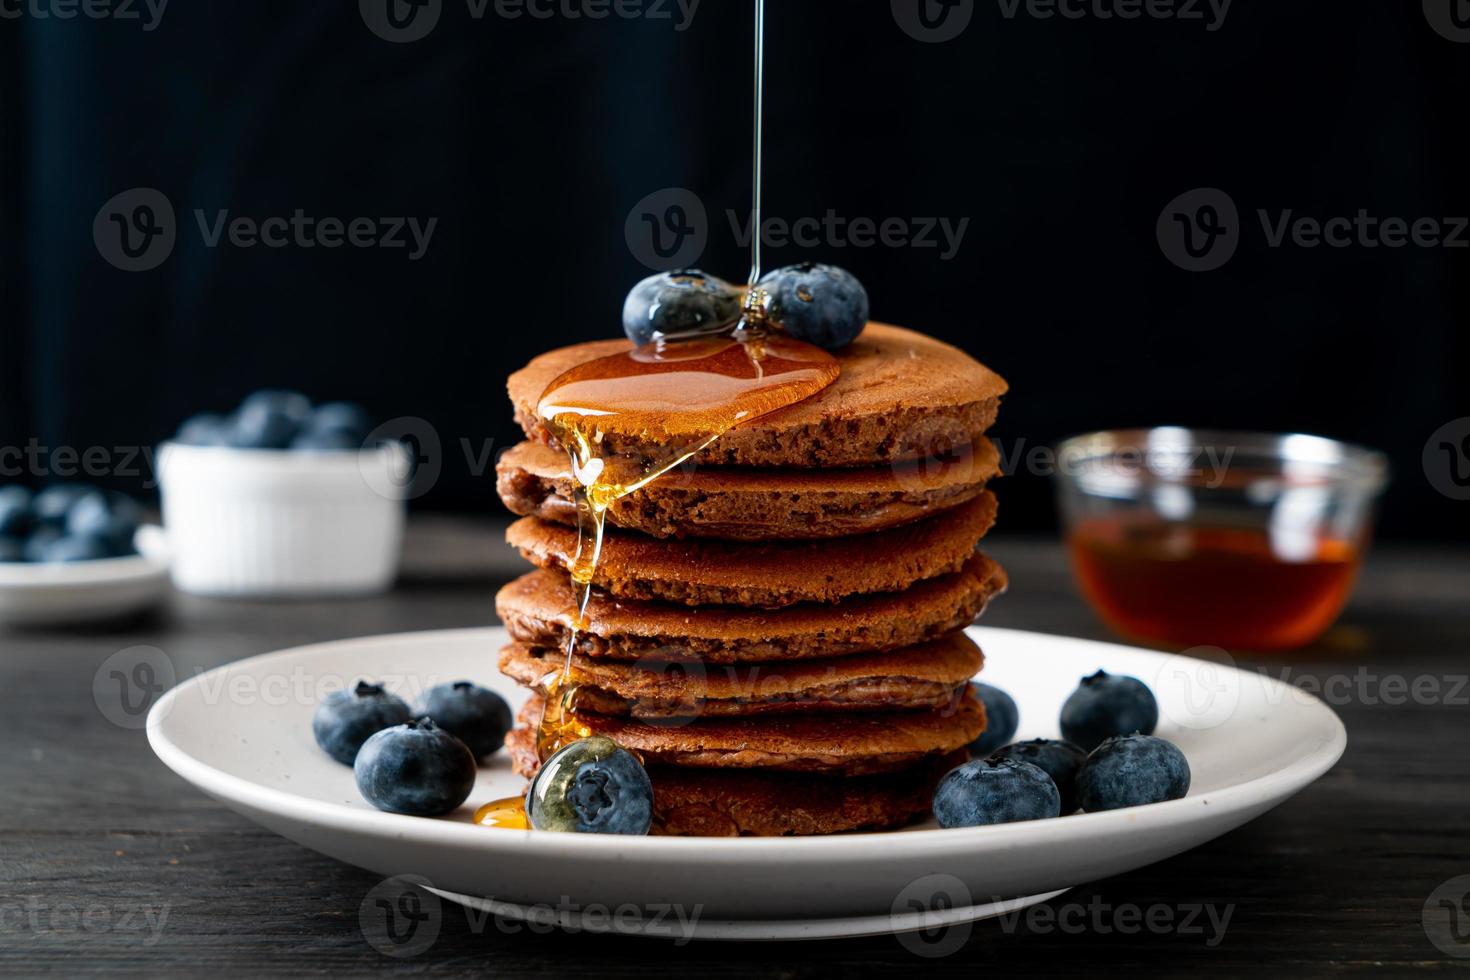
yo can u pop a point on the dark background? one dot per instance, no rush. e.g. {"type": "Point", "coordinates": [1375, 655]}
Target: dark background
{"type": "Point", "coordinates": [530, 140]}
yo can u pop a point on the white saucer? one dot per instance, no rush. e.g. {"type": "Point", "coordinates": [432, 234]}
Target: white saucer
{"type": "Point", "coordinates": [62, 593]}
{"type": "Point", "coordinates": [241, 733]}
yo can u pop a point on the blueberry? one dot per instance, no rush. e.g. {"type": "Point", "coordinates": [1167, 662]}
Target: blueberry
{"type": "Point", "coordinates": [327, 440]}
{"type": "Point", "coordinates": [821, 304]}
{"type": "Point", "coordinates": [592, 786]}
{"type": "Point", "coordinates": [40, 541]}
{"type": "Point", "coordinates": [345, 719]}
{"type": "Point", "coordinates": [477, 716]}
{"type": "Point", "coordinates": [72, 547]}
{"type": "Point", "coordinates": [51, 505]}
{"type": "Point", "coordinates": [1001, 719]}
{"type": "Point", "coordinates": [341, 416]}
{"type": "Point", "coordinates": [11, 549]}
{"type": "Point", "coordinates": [1132, 770]}
{"type": "Point", "coordinates": [293, 405]}
{"type": "Point", "coordinates": [1059, 760]}
{"type": "Point", "coordinates": [15, 511]}
{"type": "Point", "coordinates": [111, 517]}
{"type": "Point", "coordinates": [415, 768]}
{"type": "Point", "coordinates": [262, 428]}
{"type": "Point", "coordinates": [986, 791]}
{"type": "Point", "coordinates": [1105, 705]}
{"type": "Point", "coordinates": [679, 302]}
{"type": "Point", "coordinates": [204, 430]}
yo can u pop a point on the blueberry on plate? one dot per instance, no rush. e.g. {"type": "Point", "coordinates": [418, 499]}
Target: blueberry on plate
{"type": "Point", "coordinates": [1058, 759]}
{"type": "Point", "coordinates": [1132, 770]}
{"type": "Point", "coordinates": [262, 427]}
{"type": "Point", "coordinates": [1001, 719]}
{"type": "Point", "coordinates": [592, 786]}
{"type": "Point", "coordinates": [74, 547]}
{"type": "Point", "coordinates": [15, 511]}
{"type": "Point", "coordinates": [821, 304]}
{"type": "Point", "coordinates": [113, 518]}
{"type": "Point", "coordinates": [346, 719]}
{"type": "Point", "coordinates": [686, 301]}
{"type": "Point", "coordinates": [475, 715]}
{"type": "Point", "coordinates": [1105, 705]}
{"type": "Point", "coordinates": [50, 506]}
{"type": "Point", "coordinates": [995, 790]}
{"type": "Point", "coordinates": [415, 768]}
{"type": "Point", "coordinates": [206, 429]}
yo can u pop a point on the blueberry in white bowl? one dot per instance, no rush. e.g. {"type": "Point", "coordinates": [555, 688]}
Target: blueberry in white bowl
{"type": "Point", "coordinates": [281, 420]}
{"type": "Point", "coordinates": [820, 304]}
{"type": "Point", "coordinates": [1061, 760]}
{"type": "Point", "coordinates": [1132, 770]}
{"type": "Point", "coordinates": [475, 715]}
{"type": "Point", "coordinates": [1002, 717]}
{"type": "Point", "coordinates": [348, 718]}
{"type": "Point", "coordinates": [1105, 705]}
{"type": "Point", "coordinates": [686, 301]}
{"type": "Point", "coordinates": [995, 790]}
{"type": "Point", "coordinates": [592, 786]}
{"type": "Point", "coordinates": [416, 768]}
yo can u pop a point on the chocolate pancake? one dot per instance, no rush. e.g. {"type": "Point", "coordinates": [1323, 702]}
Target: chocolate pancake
{"type": "Point", "coordinates": [767, 574]}
{"type": "Point", "coordinates": [748, 802]}
{"type": "Point", "coordinates": [925, 676]}
{"type": "Point", "coordinates": [901, 395]}
{"type": "Point", "coordinates": [537, 609]}
{"type": "Point", "coordinates": [754, 504]}
{"type": "Point", "coordinates": [851, 743]}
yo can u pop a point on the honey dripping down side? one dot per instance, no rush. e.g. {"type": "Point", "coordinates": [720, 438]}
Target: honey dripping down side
{"type": "Point", "coordinates": [677, 395]}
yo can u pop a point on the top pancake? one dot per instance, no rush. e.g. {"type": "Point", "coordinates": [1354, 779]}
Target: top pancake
{"type": "Point", "coordinates": [901, 395]}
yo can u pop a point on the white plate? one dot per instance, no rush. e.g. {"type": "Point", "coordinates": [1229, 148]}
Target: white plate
{"type": "Point", "coordinates": [58, 594]}
{"type": "Point", "coordinates": [241, 733]}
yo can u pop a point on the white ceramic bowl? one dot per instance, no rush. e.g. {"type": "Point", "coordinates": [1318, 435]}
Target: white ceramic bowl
{"type": "Point", "coordinates": [278, 523]}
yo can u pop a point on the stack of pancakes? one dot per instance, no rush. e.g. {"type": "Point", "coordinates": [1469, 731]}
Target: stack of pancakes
{"type": "Point", "coordinates": [776, 630]}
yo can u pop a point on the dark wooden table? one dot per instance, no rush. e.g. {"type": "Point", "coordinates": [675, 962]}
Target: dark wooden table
{"type": "Point", "coordinates": [110, 864]}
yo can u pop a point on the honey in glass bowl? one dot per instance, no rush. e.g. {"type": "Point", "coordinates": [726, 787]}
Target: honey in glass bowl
{"type": "Point", "coordinates": [1239, 540]}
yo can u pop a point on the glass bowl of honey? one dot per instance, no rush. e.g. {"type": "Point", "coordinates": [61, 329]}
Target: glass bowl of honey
{"type": "Point", "coordinates": [1188, 537]}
